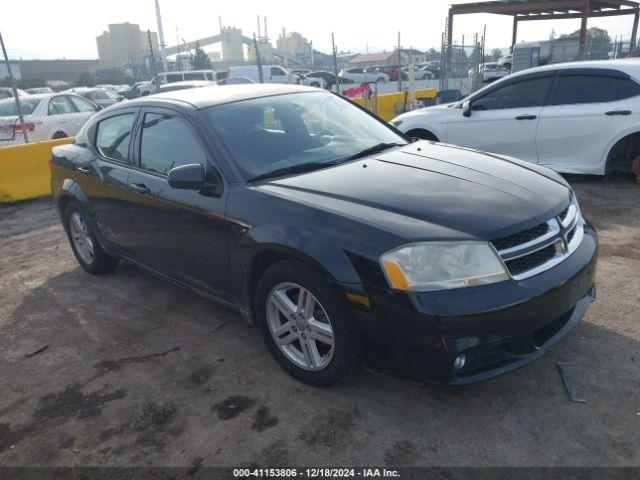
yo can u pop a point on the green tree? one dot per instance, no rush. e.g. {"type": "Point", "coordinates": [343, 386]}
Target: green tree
{"type": "Point", "coordinates": [594, 34]}
{"type": "Point", "coordinates": [433, 54]}
{"type": "Point", "coordinates": [200, 60]}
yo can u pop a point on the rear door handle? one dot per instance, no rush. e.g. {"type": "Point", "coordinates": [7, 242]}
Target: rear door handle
{"type": "Point", "coordinates": [85, 170]}
{"type": "Point", "coordinates": [526, 117]}
{"type": "Point", "coordinates": [140, 188]}
{"type": "Point", "coordinates": [618, 112]}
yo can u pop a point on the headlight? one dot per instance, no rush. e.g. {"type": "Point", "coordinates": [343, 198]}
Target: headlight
{"type": "Point", "coordinates": [431, 266]}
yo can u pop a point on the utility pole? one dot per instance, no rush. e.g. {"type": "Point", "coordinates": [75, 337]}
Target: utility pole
{"type": "Point", "coordinates": [152, 56]}
{"type": "Point", "coordinates": [335, 63]}
{"type": "Point", "coordinates": [15, 91]}
{"type": "Point", "coordinates": [400, 64]}
{"type": "Point", "coordinates": [258, 59]}
{"type": "Point", "coordinates": [163, 52]}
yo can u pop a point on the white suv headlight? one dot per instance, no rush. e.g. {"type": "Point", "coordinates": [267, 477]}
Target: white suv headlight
{"type": "Point", "coordinates": [428, 266]}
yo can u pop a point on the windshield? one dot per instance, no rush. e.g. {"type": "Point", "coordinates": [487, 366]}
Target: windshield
{"type": "Point", "coordinates": [285, 131]}
{"type": "Point", "coordinates": [8, 107]}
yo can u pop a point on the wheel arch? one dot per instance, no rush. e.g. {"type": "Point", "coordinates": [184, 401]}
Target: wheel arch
{"type": "Point", "coordinates": [627, 138]}
{"type": "Point", "coordinates": [417, 131]}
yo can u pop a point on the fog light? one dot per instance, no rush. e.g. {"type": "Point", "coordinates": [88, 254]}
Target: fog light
{"type": "Point", "coordinates": [459, 362]}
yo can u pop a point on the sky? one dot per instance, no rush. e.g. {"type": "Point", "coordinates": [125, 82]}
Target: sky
{"type": "Point", "coordinates": [67, 28]}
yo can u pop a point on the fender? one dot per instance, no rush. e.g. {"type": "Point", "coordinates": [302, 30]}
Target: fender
{"type": "Point", "coordinates": [307, 245]}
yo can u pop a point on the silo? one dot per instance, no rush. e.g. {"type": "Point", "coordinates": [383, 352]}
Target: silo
{"type": "Point", "coordinates": [232, 45]}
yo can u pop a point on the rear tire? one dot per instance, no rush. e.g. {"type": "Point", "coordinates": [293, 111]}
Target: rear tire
{"type": "Point", "coordinates": [320, 350]}
{"type": "Point", "coordinates": [84, 243]}
{"type": "Point", "coordinates": [58, 135]}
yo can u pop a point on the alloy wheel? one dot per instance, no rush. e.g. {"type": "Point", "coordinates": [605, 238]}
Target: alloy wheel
{"type": "Point", "coordinates": [300, 326]}
{"type": "Point", "coordinates": [80, 237]}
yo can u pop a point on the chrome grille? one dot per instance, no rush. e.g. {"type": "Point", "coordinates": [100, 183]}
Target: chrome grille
{"type": "Point", "coordinates": [532, 251]}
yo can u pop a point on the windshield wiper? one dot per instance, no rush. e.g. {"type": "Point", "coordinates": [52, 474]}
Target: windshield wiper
{"type": "Point", "coordinates": [380, 147]}
{"type": "Point", "coordinates": [301, 168]}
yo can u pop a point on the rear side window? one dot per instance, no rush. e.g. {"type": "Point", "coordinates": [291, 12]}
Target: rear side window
{"type": "Point", "coordinates": [60, 105]}
{"type": "Point", "coordinates": [573, 89]}
{"type": "Point", "coordinates": [174, 77]}
{"type": "Point", "coordinates": [113, 137]}
{"type": "Point", "coordinates": [528, 93]}
{"type": "Point", "coordinates": [276, 71]}
{"type": "Point", "coordinates": [82, 104]}
{"type": "Point", "coordinates": [168, 142]}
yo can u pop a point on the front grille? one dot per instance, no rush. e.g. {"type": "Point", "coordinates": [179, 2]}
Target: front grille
{"type": "Point", "coordinates": [521, 237]}
{"type": "Point", "coordinates": [537, 249]}
{"type": "Point", "coordinates": [520, 265]}
{"type": "Point", "coordinates": [563, 214]}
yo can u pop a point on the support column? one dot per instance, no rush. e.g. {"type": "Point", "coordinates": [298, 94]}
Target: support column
{"type": "Point", "coordinates": [583, 31]}
{"type": "Point", "coordinates": [449, 44]}
{"type": "Point", "coordinates": [634, 31]}
{"type": "Point", "coordinates": [514, 34]}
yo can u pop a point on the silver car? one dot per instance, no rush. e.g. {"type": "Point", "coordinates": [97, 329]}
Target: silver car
{"type": "Point", "coordinates": [46, 117]}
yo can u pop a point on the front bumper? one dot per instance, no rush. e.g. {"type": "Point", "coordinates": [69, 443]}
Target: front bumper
{"type": "Point", "coordinates": [498, 327]}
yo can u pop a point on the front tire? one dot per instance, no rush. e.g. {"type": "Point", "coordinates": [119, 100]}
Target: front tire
{"type": "Point", "coordinates": [305, 323]}
{"type": "Point", "coordinates": [84, 244]}
{"type": "Point", "coordinates": [381, 80]}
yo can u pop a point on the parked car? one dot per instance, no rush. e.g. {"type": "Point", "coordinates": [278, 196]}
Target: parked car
{"type": "Point", "coordinates": [36, 90]}
{"type": "Point", "coordinates": [235, 81]}
{"type": "Point", "coordinates": [270, 74]}
{"type": "Point", "coordinates": [327, 228]}
{"type": "Point", "coordinates": [46, 116]}
{"type": "Point", "coordinates": [328, 77]}
{"type": "Point", "coordinates": [490, 72]}
{"type": "Point", "coordinates": [581, 117]}
{"type": "Point", "coordinates": [7, 92]}
{"type": "Point", "coordinates": [302, 71]}
{"type": "Point", "coordinates": [360, 75]}
{"type": "Point", "coordinates": [100, 96]}
{"type": "Point", "coordinates": [178, 76]}
{"type": "Point", "coordinates": [419, 73]}
{"type": "Point", "coordinates": [134, 91]}
{"type": "Point", "coordinates": [168, 87]}
{"type": "Point", "coordinates": [434, 68]}
{"type": "Point", "coordinates": [506, 61]}
{"type": "Point", "coordinates": [317, 82]}
{"type": "Point", "coordinates": [391, 71]}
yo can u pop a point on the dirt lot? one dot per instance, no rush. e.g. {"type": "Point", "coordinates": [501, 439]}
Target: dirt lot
{"type": "Point", "coordinates": [139, 372]}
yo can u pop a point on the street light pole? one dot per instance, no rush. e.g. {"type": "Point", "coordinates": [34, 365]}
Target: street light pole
{"type": "Point", "coordinates": [163, 52]}
{"type": "Point", "coordinates": [15, 91]}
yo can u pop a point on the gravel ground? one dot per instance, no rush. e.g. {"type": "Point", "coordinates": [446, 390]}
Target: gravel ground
{"type": "Point", "coordinates": [125, 369]}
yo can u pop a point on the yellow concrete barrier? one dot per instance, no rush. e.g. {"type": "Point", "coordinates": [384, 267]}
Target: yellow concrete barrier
{"type": "Point", "coordinates": [24, 170]}
{"type": "Point", "coordinates": [390, 105]}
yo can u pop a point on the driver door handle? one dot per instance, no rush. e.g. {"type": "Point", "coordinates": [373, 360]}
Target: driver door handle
{"type": "Point", "coordinates": [526, 117]}
{"type": "Point", "coordinates": [140, 188]}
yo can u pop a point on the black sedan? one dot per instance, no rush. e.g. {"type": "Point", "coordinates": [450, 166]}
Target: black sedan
{"type": "Point", "coordinates": [340, 238]}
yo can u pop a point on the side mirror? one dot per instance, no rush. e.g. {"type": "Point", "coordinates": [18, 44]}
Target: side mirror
{"type": "Point", "coordinates": [466, 108]}
{"type": "Point", "coordinates": [186, 177]}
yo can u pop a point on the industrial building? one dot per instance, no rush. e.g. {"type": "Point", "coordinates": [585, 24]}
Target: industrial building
{"type": "Point", "coordinates": [388, 58]}
{"type": "Point", "coordinates": [124, 43]}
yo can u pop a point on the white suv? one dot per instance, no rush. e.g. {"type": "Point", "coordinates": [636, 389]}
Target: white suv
{"type": "Point", "coordinates": [581, 117]}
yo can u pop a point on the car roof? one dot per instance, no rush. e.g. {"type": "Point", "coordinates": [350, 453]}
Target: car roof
{"type": "Point", "coordinates": [630, 66]}
{"type": "Point", "coordinates": [209, 97]}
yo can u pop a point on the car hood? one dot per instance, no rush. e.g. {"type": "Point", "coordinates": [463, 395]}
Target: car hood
{"type": "Point", "coordinates": [425, 189]}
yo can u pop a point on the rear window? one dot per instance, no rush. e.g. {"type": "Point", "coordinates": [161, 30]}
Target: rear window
{"type": "Point", "coordinates": [9, 108]}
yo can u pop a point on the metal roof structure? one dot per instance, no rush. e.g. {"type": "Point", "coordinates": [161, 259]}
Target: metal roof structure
{"type": "Point", "coordinates": [526, 10]}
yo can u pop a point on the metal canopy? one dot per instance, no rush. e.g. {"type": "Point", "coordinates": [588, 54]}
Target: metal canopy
{"type": "Point", "coordinates": [525, 10]}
